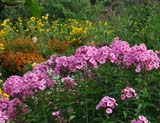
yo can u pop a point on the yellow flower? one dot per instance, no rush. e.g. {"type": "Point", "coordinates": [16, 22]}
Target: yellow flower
{"type": "Point", "coordinates": [45, 17]}
{"type": "Point", "coordinates": [1, 80]}
{"type": "Point", "coordinates": [5, 95]}
{"type": "Point", "coordinates": [20, 20]}
{"type": "Point", "coordinates": [1, 91]}
{"type": "Point", "coordinates": [2, 47]}
{"type": "Point", "coordinates": [77, 30]}
{"type": "Point", "coordinates": [3, 32]}
{"type": "Point", "coordinates": [40, 23]}
{"type": "Point", "coordinates": [5, 22]}
{"type": "Point", "coordinates": [33, 19]}
{"type": "Point", "coordinates": [34, 64]}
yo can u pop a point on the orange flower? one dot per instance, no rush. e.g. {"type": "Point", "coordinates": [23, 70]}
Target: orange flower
{"type": "Point", "coordinates": [19, 61]}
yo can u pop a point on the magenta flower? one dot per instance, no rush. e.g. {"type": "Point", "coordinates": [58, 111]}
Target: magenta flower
{"type": "Point", "coordinates": [141, 58]}
{"type": "Point", "coordinates": [107, 103]}
{"type": "Point", "coordinates": [3, 117]}
{"type": "Point", "coordinates": [141, 119]}
{"type": "Point", "coordinates": [109, 110]}
{"type": "Point", "coordinates": [144, 119]}
{"type": "Point", "coordinates": [8, 109]}
{"type": "Point", "coordinates": [128, 93]}
{"type": "Point", "coordinates": [56, 113]}
{"type": "Point", "coordinates": [118, 49]}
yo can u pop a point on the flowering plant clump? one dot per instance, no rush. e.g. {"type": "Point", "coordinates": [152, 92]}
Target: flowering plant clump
{"type": "Point", "coordinates": [30, 83]}
{"type": "Point", "coordinates": [18, 62]}
{"type": "Point", "coordinates": [43, 75]}
{"type": "Point", "coordinates": [118, 53]}
{"type": "Point", "coordinates": [107, 103]}
{"type": "Point", "coordinates": [141, 119]}
{"type": "Point", "coordinates": [137, 56]}
{"type": "Point", "coordinates": [128, 93]}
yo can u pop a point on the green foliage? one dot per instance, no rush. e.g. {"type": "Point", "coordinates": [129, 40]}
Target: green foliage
{"type": "Point", "coordinates": [138, 23]}
{"type": "Point", "coordinates": [33, 7]}
{"type": "Point", "coordinates": [79, 9]}
{"type": "Point", "coordinates": [13, 1]}
{"type": "Point", "coordinates": [14, 12]}
{"type": "Point", "coordinates": [20, 7]}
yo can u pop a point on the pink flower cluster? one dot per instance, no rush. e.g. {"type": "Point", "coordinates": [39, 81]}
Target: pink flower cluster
{"type": "Point", "coordinates": [8, 109]}
{"type": "Point", "coordinates": [107, 103]}
{"type": "Point", "coordinates": [91, 55]}
{"type": "Point", "coordinates": [84, 56]}
{"type": "Point", "coordinates": [119, 52]}
{"type": "Point", "coordinates": [141, 58]}
{"type": "Point", "coordinates": [65, 64]}
{"type": "Point", "coordinates": [3, 118]}
{"type": "Point", "coordinates": [68, 82]}
{"type": "Point", "coordinates": [141, 119]}
{"type": "Point", "coordinates": [128, 93]}
{"type": "Point", "coordinates": [137, 56]}
{"type": "Point", "coordinates": [31, 82]}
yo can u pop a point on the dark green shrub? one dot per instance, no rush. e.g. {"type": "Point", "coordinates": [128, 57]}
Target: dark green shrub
{"type": "Point", "coordinates": [80, 9]}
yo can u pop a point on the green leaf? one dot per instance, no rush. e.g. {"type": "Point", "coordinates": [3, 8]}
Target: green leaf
{"type": "Point", "coordinates": [34, 8]}
{"type": "Point", "coordinates": [14, 1]}
{"type": "Point", "coordinates": [71, 117]}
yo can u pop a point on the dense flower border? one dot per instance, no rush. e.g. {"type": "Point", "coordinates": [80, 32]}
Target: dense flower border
{"type": "Point", "coordinates": [38, 79]}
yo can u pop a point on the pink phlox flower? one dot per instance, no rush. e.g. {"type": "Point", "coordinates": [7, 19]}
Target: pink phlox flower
{"type": "Point", "coordinates": [128, 93]}
{"type": "Point", "coordinates": [56, 113]}
{"type": "Point", "coordinates": [107, 103]}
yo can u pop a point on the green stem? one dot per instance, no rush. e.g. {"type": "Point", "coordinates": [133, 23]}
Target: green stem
{"type": "Point", "coordinates": [44, 108]}
{"type": "Point", "coordinates": [86, 106]}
